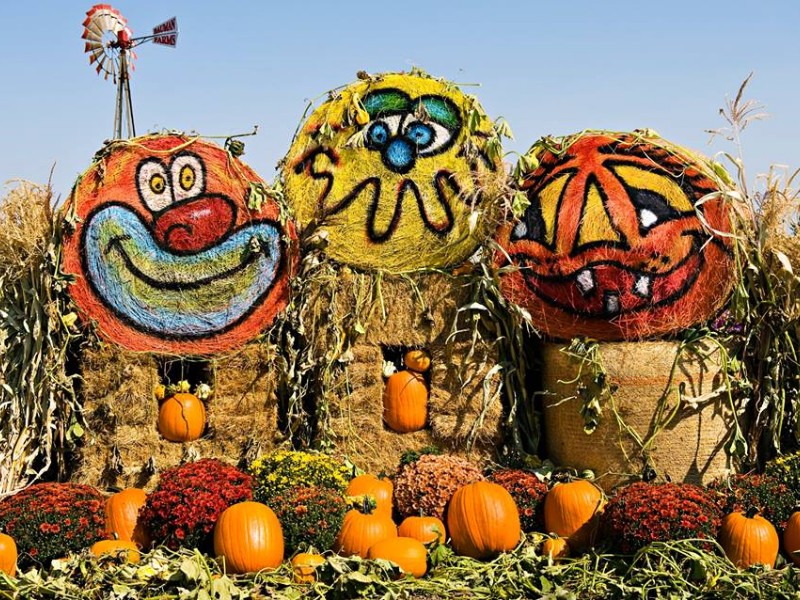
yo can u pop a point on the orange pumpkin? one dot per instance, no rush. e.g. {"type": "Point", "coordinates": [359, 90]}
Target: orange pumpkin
{"type": "Point", "coordinates": [791, 538]}
{"type": "Point", "coordinates": [407, 553]}
{"type": "Point", "coordinates": [418, 360]}
{"type": "Point", "coordinates": [555, 549]}
{"type": "Point", "coordinates": [117, 548]}
{"type": "Point", "coordinates": [361, 529]}
{"type": "Point", "coordinates": [304, 566]}
{"type": "Point", "coordinates": [483, 520]}
{"type": "Point", "coordinates": [571, 511]}
{"type": "Point", "coordinates": [405, 402]}
{"type": "Point", "coordinates": [182, 418]}
{"type": "Point", "coordinates": [425, 529]}
{"type": "Point", "coordinates": [8, 555]}
{"type": "Point", "coordinates": [621, 239]}
{"type": "Point", "coordinates": [380, 488]}
{"type": "Point", "coordinates": [122, 514]}
{"type": "Point", "coordinates": [749, 539]}
{"type": "Point", "coordinates": [249, 537]}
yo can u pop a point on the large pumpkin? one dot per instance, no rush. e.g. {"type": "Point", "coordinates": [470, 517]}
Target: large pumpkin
{"type": "Point", "coordinates": [182, 418]}
{"type": "Point", "coordinates": [398, 169]}
{"type": "Point", "coordinates": [571, 511]}
{"type": "Point", "coordinates": [122, 514]}
{"type": "Point", "coordinates": [361, 529]}
{"type": "Point", "coordinates": [625, 237]}
{"type": "Point", "coordinates": [379, 488]}
{"type": "Point", "coordinates": [749, 539]}
{"type": "Point", "coordinates": [483, 520]}
{"type": "Point", "coordinates": [169, 249]}
{"type": "Point", "coordinates": [405, 402]}
{"type": "Point", "coordinates": [8, 555]}
{"type": "Point", "coordinates": [407, 553]}
{"type": "Point", "coordinates": [249, 537]}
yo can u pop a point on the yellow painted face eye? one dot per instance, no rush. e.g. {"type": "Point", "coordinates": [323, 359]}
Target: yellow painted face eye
{"type": "Point", "coordinates": [187, 177]}
{"type": "Point", "coordinates": [158, 184]}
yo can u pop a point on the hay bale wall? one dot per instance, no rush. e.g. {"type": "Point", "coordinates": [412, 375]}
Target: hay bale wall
{"type": "Point", "coordinates": [464, 400]}
{"type": "Point", "coordinates": [123, 447]}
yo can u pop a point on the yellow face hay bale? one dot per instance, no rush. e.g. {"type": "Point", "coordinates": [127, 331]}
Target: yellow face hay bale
{"type": "Point", "coordinates": [401, 170]}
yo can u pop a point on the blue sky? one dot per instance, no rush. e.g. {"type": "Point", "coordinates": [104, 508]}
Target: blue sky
{"type": "Point", "coordinates": [547, 67]}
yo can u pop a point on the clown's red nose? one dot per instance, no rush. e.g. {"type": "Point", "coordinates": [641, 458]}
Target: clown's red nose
{"type": "Point", "coordinates": [195, 225]}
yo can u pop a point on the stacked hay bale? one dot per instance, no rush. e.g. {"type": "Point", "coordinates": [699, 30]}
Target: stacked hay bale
{"type": "Point", "coordinates": [627, 237]}
{"type": "Point", "coordinates": [395, 181]}
{"type": "Point", "coordinates": [180, 263]}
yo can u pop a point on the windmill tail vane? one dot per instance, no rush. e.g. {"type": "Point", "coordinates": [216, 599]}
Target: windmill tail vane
{"type": "Point", "coordinates": [110, 43]}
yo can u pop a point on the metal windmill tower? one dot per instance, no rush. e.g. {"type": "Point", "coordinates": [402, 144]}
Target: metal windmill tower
{"type": "Point", "coordinates": [110, 44]}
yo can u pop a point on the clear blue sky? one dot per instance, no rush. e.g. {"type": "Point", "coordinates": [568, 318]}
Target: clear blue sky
{"type": "Point", "coordinates": [547, 67]}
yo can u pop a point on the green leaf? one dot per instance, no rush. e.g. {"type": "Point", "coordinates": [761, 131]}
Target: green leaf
{"type": "Point", "coordinates": [190, 569]}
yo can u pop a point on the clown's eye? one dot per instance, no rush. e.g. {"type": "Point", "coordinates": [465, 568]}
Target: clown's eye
{"type": "Point", "coordinates": [428, 136]}
{"type": "Point", "coordinates": [188, 174]}
{"type": "Point", "coordinates": [152, 181]}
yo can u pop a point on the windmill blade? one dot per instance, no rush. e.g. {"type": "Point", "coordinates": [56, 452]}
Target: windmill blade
{"type": "Point", "coordinates": [102, 27]}
{"type": "Point", "coordinates": [169, 38]}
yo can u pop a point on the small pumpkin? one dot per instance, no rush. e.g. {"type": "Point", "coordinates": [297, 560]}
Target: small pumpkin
{"type": "Point", "coordinates": [405, 402]}
{"type": "Point", "coordinates": [791, 538]}
{"type": "Point", "coordinates": [425, 529]}
{"type": "Point", "coordinates": [483, 520]}
{"type": "Point", "coordinates": [122, 513]}
{"type": "Point", "coordinates": [304, 566]}
{"type": "Point", "coordinates": [380, 488]}
{"type": "Point", "coordinates": [418, 360]}
{"type": "Point", "coordinates": [249, 537]}
{"type": "Point", "coordinates": [182, 418]}
{"type": "Point", "coordinates": [555, 548]}
{"type": "Point", "coordinates": [117, 548]}
{"type": "Point", "coordinates": [571, 511]}
{"type": "Point", "coordinates": [362, 528]}
{"type": "Point", "coordinates": [749, 539]}
{"type": "Point", "coordinates": [407, 553]}
{"type": "Point", "coordinates": [8, 555]}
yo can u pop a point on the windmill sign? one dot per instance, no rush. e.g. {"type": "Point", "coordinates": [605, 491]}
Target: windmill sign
{"type": "Point", "coordinates": [166, 34]}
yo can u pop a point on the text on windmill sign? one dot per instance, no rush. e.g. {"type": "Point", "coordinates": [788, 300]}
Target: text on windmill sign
{"type": "Point", "coordinates": [166, 33]}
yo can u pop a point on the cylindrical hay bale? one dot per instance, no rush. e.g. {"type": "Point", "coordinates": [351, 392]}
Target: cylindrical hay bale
{"type": "Point", "coordinates": [681, 416]}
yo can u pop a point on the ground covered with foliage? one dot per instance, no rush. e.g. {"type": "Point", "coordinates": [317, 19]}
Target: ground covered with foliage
{"type": "Point", "coordinates": [662, 570]}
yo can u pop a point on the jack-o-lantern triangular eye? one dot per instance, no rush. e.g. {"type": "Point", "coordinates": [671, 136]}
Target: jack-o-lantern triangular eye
{"type": "Point", "coordinates": [655, 195]}
{"type": "Point", "coordinates": [538, 224]}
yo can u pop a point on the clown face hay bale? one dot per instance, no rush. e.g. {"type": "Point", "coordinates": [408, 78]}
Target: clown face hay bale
{"type": "Point", "coordinates": [166, 253]}
{"type": "Point", "coordinates": [626, 237]}
{"type": "Point", "coordinates": [402, 171]}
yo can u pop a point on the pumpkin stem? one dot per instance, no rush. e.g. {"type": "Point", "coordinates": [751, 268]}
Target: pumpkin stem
{"type": "Point", "coordinates": [751, 512]}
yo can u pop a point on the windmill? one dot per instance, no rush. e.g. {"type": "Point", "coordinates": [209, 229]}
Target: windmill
{"type": "Point", "coordinates": [110, 44]}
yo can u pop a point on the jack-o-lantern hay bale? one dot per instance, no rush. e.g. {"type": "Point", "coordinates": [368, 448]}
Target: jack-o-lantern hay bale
{"type": "Point", "coordinates": [398, 179]}
{"type": "Point", "coordinates": [626, 237]}
{"type": "Point", "coordinates": [180, 262]}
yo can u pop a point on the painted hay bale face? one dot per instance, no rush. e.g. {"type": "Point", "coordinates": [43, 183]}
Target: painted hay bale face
{"type": "Point", "coordinates": [391, 168]}
{"type": "Point", "coordinates": [614, 244]}
{"type": "Point", "coordinates": [167, 256]}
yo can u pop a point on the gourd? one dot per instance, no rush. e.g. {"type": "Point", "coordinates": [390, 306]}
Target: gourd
{"type": "Point", "coordinates": [405, 402]}
{"type": "Point", "coordinates": [117, 548]}
{"type": "Point", "coordinates": [361, 529]}
{"type": "Point", "coordinates": [571, 511]}
{"type": "Point", "coordinates": [407, 553]}
{"type": "Point", "coordinates": [304, 566]}
{"type": "Point", "coordinates": [182, 418]}
{"type": "Point", "coordinates": [425, 529]}
{"type": "Point", "coordinates": [749, 539]}
{"type": "Point", "coordinates": [122, 513]}
{"type": "Point", "coordinates": [380, 488]}
{"type": "Point", "coordinates": [417, 360]}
